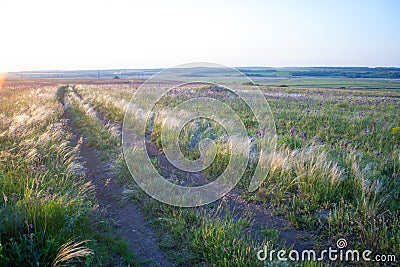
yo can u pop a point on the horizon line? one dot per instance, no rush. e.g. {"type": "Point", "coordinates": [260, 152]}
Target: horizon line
{"type": "Point", "coordinates": [237, 67]}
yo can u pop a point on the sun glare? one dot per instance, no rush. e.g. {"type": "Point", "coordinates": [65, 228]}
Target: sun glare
{"type": "Point", "coordinates": [2, 80]}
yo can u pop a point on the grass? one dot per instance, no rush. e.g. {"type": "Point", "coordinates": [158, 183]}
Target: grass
{"type": "Point", "coordinates": [45, 200]}
{"type": "Point", "coordinates": [93, 130]}
{"type": "Point", "coordinates": [335, 171]}
{"type": "Point", "coordinates": [185, 232]}
{"type": "Point", "coordinates": [356, 135]}
{"type": "Point", "coordinates": [46, 204]}
{"type": "Point", "coordinates": [333, 83]}
{"type": "Point", "coordinates": [338, 154]}
{"type": "Point", "coordinates": [195, 237]}
{"type": "Point", "coordinates": [111, 248]}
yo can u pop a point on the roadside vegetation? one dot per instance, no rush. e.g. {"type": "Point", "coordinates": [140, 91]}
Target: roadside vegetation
{"type": "Point", "coordinates": [45, 201]}
{"type": "Point", "coordinates": [47, 206]}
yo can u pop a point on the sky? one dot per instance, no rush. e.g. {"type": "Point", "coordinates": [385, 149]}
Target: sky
{"type": "Point", "coordinates": [100, 34]}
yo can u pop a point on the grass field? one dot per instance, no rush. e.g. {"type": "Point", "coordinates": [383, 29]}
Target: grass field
{"type": "Point", "coordinates": [343, 83]}
{"type": "Point", "coordinates": [335, 174]}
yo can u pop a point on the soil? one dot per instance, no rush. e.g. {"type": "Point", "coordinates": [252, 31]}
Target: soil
{"type": "Point", "coordinates": [128, 217]}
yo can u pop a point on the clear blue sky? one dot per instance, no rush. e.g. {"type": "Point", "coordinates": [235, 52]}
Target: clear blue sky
{"type": "Point", "coordinates": [89, 34]}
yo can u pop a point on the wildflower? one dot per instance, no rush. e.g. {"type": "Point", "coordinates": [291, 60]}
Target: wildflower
{"type": "Point", "coordinates": [39, 157]}
{"type": "Point", "coordinates": [374, 123]}
{"type": "Point", "coordinates": [303, 135]}
{"type": "Point", "coordinates": [29, 225]}
{"type": "Point", "coordinates": [260, 133]}
{"type": "Point", "coordinates": [43, 167]}
{"type": "Point", "coordinates": [33, 168]}
{"type": "Point", "coordinates": [293, 131]}
{"type": "Point", "coordinates": [37, 181]}
{"type": "Point", "coordinates": [395, 130]}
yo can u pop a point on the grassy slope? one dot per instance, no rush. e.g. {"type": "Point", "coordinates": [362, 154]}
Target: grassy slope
{"type": "Point", "coordinates": [346, 153]}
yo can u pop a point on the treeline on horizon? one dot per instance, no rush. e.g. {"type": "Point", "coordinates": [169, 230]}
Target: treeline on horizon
{"type": "Point", "coordinates": [345, 72]}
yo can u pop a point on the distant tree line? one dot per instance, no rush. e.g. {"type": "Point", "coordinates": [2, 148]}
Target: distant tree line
{"type": "Point", "coordinates": [257, 73]}
{"type": "Point", "coordinates": [356, 72]}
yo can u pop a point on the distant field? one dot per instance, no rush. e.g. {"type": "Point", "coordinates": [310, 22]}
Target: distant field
{"type": "Point", "coordinates": [325, 77]}
{"type": "Point", "coordinates": [358, 83]}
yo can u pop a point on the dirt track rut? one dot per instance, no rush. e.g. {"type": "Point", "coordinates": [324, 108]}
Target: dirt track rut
{"type": "Point", "coordinates": [129, 219]}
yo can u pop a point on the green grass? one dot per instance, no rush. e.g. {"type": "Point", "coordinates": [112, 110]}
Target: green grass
{"type": "Point", "coordinates": [111, 248]}
{"type": "Point", "coordinates": [191, 236]}
{"type": "Point", "coordinates": [338, 154]}
{"type": "Point", "coordinates": [184, 232]}
{"type": "Point", "coordinates": [43, 202]}
{"type": "Point", "coordinates": [333, 83]}
{"type": "Point", "coordinates": [212, 240]}
{"type": "Point", "coordinates": [96, 134]}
